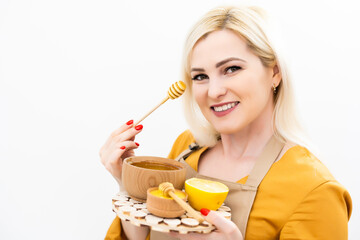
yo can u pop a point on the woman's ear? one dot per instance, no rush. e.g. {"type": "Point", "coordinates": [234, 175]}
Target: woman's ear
{"type": "Point", "coordinates": [276, 75]}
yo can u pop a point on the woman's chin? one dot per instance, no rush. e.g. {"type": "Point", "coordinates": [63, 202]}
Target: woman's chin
{"type": "Point", "coordinates": [227, 129]}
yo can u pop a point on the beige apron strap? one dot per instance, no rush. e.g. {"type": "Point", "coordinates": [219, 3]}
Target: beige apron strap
{"type": "Point", "coordinates": [184, 154]}
{"type": "Point", "coordinates": [190, 172]}
{"type": "Point", "coordinates": [262, 165]}
{"type": "Point", "coordinates": [248, 192]}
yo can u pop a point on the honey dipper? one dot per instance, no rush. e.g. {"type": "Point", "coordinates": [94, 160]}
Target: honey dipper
{"type": "Point", "coordinates": [168, 189]}
{"type": "Point", "coordinates": [175, 91]}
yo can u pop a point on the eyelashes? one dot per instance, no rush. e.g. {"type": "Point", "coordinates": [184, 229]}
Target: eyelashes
{"type": "Point", "coordinates": [199, 77]}
{"type": "Point", "coordinates": [228, 70]}
{"type": "Point", "coordinates": [232, 69]}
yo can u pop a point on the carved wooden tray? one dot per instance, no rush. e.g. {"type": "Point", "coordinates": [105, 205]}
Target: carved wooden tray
{"type": "Point", "coordinates": [136, 212]}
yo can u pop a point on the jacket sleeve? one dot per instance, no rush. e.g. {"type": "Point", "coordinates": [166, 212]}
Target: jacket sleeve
{"type": "Point", "coordinates": [181, 143]}
{"type": "Point", "coordinates": [114, 232]}
{"type": "Point", "coordinates": [323, 214]}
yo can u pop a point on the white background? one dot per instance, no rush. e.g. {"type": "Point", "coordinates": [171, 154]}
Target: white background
{"type": "Point", "coordinates": [72, 71]}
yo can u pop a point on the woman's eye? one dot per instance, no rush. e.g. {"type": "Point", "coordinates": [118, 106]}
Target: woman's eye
{"type": "Point", "coordinates": [199, 77]}
{"type": "Point", "coordinates": [232, 69]}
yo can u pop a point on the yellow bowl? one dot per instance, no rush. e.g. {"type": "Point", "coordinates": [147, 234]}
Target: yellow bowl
{"type": "Point", "coordinates": [204, 193]}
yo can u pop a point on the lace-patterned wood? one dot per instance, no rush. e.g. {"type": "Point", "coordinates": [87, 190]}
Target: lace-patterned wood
{"type": "Point", "coordinates": [136, 212]}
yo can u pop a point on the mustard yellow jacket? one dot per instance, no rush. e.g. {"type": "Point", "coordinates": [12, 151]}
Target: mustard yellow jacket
{"type": "Point", "coordinates": [297, 199]}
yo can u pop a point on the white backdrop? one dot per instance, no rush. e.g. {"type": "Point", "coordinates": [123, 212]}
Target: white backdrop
{"type": "Point", "coordinates": [72, 71]}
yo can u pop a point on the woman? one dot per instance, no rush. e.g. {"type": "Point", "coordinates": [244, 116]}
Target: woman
{"type": "Point", "coordinates": [240, 109]}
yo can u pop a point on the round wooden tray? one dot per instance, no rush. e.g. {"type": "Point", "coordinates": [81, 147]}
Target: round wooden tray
{"type": "Point", "coordinates": [136, 212]}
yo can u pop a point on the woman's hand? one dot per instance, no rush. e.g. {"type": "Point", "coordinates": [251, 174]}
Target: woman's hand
{"type": "Point", "coordinates": [119, 146]}
{"type": "Point", "coordinates": [225, 229]}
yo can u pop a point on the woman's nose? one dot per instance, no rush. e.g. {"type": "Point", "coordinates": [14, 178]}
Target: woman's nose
{"type": "Point", "coordinates": [216, 89]}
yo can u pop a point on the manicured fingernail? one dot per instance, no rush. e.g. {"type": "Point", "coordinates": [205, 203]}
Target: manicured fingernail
{"type": "Point", "coordinates": [130, 122]}
{"type": "Point", "coordinates": [122, 147]}
{"type": "Point", "coordinates": [139, 127]}
{"type": "Point", "coordinates": [204, 211]}
{"type": "Point", "coordinates": [137, 144]}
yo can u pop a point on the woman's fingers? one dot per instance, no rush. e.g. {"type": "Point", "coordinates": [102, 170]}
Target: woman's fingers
{"type": "Point", "coordinates": [191, 236]}
{"type": "Point", "coordinates": [128, 125]}
{"type": "Point", "coordinates": [112, 159]}
{"type": "Point", "coordinates": [124, 133]}
{"type": "Point", "coordinates": [123, 150]}
{"type": "Point", "coordinates": [225, 229]}
{"type": "Point", "coordinates": [120, 149]}
{"type": "Point", "coordinates": [223, 225]}
{"type": "Point", "coordinates": [128, 134]}
{"type": "Point", "coordinates": [119, 145]}
{"type": "Point", "coordinates": [123, 128]}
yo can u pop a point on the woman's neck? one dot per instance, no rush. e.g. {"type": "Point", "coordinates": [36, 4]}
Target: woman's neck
{"type": "Point", "coordinates": [250, 141]}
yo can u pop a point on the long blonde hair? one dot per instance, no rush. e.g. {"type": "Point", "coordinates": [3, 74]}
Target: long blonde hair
{"type": "Point", "coordinates": [250, 23]}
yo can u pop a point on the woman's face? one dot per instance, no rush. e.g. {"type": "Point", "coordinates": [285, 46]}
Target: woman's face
{"type": "Point", "coordinates": [230, 84]}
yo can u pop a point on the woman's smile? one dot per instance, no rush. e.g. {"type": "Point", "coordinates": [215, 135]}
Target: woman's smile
{"type": "Point", "coordinates": [223, 109]}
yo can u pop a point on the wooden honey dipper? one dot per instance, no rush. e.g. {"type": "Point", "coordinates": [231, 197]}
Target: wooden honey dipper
{"type": "Point", "coordinates": [168, 189]}
{"type": "Point", "coordinates": [175, 91]}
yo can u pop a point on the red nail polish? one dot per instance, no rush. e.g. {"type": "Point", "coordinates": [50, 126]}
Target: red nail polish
{"type": "Point", "coordinates": [122, 147]}
{"type": "Point", "coordinates": [130, 122]}
{"type": "Point", "coordinates": [137, 144]}
{"type": "Point", "coordinates": [139, 127]}
{"type": "Point", "coordinates": [204, 211]}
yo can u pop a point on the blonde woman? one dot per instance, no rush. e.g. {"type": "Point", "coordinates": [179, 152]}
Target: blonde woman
{"type": "Point", "coordinates": [244, 133]}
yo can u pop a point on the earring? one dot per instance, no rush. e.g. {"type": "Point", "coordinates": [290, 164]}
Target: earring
{"type": "Point", "coordinates": [274, 88]}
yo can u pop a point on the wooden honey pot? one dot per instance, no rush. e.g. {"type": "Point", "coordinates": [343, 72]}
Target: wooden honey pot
{"type": "Point", "coordinates": [160, 205]}
{"type": "Point", "coordinates": [139, 173]}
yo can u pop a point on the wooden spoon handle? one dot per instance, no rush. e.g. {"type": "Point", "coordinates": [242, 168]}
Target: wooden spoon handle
{"type": "Point", "coordinates": [187, 207]}
{"type": "Point", "coordinates": [153, 109]}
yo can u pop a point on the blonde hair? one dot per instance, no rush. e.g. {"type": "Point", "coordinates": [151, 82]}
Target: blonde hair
{"type": "Point", "coordinates": [251, 24]}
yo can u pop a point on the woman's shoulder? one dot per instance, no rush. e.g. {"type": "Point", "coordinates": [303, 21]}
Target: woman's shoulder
{"type": "Point", "coordinates": [302, 164]}
{"type": "Point", "coordinates": [181, 143]}
{"type": "Point", "coordinates": [299, 174]}
{"type": "Point", "coordinates": [300, 185]}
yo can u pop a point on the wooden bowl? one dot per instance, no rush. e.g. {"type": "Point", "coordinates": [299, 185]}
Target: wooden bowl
{"type": "Point", "coordinates": [138, 179]}
{"type": "Point", "coordinates": [164, 207]}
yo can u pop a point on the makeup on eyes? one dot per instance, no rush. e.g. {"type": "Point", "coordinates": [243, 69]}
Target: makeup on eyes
{"type": "Point", "coordinates": [203, 76]}
{"type": "Point", "coordinates": [233, 66]}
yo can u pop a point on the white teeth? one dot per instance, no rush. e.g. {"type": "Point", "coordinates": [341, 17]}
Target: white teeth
{"type": "Point", "coordinates": [224, 107]}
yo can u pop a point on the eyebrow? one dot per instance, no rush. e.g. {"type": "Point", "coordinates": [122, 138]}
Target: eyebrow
{"type": "Point", "coordinates": [219, 64]}
{"type": "Point", "coordinates": [228, 60]}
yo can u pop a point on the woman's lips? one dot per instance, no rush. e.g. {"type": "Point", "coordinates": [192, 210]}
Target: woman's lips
{"type": "Point", "coordinates": [224, 108]}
